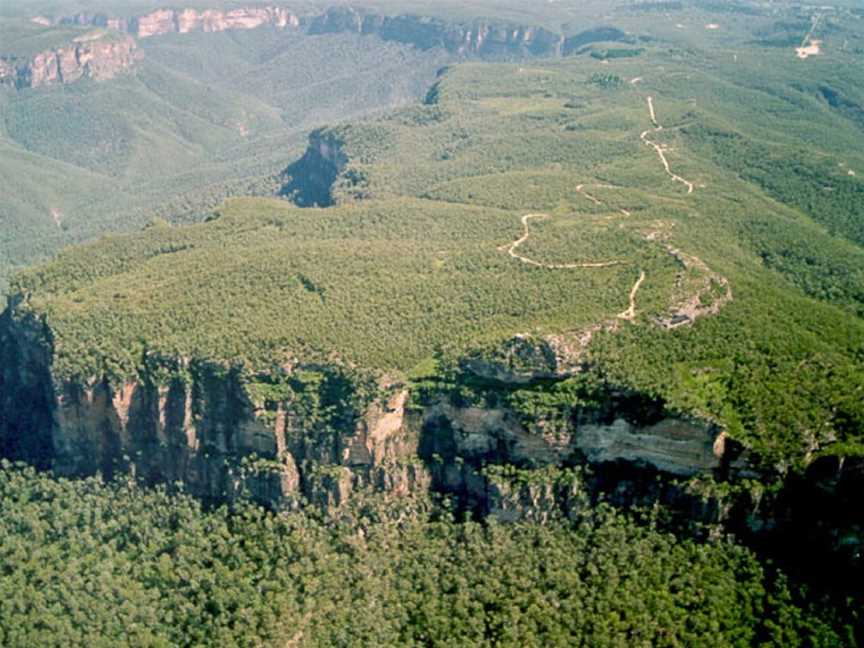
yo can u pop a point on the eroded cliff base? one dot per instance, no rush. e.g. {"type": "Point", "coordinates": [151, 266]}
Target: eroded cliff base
{"type": "Point", "coordinates": [306, 434]}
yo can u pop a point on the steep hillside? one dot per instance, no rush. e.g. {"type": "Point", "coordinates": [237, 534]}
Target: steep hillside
{"type": "Point", "coordinates": [78, 54]}
{"type": "Point", "coordinates": [202, 103]}
{"type": "Point", "coordinates": [523, 264]}
{"type": "Point", "coordinates": [201, 118]}
{"type": "Point", "coordinates": [215, 100]}
{"type": "Point", "coordinates": [624, 274]}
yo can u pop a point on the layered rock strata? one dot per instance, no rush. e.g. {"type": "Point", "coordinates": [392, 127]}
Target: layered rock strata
{"type": "Point", "coordinates": [97, 57]}
{"type": "Point", "coordinates": [477, 38]}
{"type": "Point", "coordinates": [102, 58]}
{"type": "Point", "coordinates": [319, 435]}
{"type": "Point", "coordinates": [306, 432]}
{"type": "Point", "coordinates": [184, 21]}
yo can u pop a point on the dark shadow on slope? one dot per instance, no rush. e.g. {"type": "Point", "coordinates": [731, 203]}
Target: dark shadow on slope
{"type": "Point", "coordinates": [309, 181]}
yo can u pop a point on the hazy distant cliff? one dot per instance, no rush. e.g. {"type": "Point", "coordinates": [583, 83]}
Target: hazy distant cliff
{"type": "Point", "coordinates": [183, 21]}
{"type": "Point", "coordinates": [475, 37]}
{"type": "Point", "coordinates": [99, 57]}
{"type": "Point", "coordinates": [103, 58]}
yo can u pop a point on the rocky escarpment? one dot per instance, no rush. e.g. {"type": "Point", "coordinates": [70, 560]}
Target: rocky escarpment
{"type": "Point", "coordinates": [305, 432]}
{"type": "Point", "coordinates": [105, 54]}
{"type": "Point", "coordinates": [309, 181]}
{"type": "Point", "coordinates": [479, 37]}
{"type": "Point", "coordinates": [183, 21]}
{"type": "Point", "coordinates": [461, 441]}
{"type": "Point", "coordinates": [96, 56]}
{"type": "Point", "coordinates": [311, 434]}
{"type": "Point", "coordinates": [476, 37]}
{"type": "Point", "coordinates": [102, 58]}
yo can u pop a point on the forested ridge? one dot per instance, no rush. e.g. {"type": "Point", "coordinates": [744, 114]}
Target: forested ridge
{"type": "Point", "coordinates": [426, 207]}
{"type": "Point", "coordinates": [532, 351]}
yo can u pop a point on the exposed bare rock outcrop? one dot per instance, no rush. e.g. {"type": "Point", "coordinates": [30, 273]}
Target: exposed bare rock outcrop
{"type": "Point", "coordinates": [311, 433]}
{"type": "Point", "coordinates": [626, 428]}
{"type": "Point", "coordinates": [676, 446]}
{"type": "Point", "coordinates": [310, 180]}
{"type": "Point", "coordinates": [184, 21]}
{"type": "Point", "coordinates": [528, 358]}
{"type": "Point", "coordinates": [104, 58]}
{"type": "Point", "coordinates": [200, 426]}
{"type": "Point", "coordinates": [476, 38]}
{"type": "Point", "coordinates": [701, 291]}
{"type": "Point", "coordinates": [464, 38]}
{"type": "Point", "coordinates": [520, 361]}
{"type": "Point", "coordinates": [97, 57]}
{"type": "Point", "coordinates": [113, 48]}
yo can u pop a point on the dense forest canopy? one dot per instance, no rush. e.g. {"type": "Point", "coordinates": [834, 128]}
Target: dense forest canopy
{"type": "Point", "coordinates": [95, 564]}
{"type": "Point", "coordinates": [390, 269]}
{"type": "Point", "coordinates": [421, 238]}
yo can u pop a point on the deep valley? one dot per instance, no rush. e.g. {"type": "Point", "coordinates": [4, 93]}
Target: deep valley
{"type": "Point", "coordinates": [412, 324]}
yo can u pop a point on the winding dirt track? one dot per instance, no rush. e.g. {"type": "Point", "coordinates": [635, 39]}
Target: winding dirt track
{"type": "Point", "coordinates": [661, 148]}
{"type": "Point", "coordinates": [810, 47]}
{"type": "Point", "coordinates": [580, 189]}
{"type": "Point", "coordinates": [511, 250]}
{"type": "Point", "coordinates": [813, 25]}
{"type": "Point", "coordinates": [686, 311]}
{"type": "Point", "coordinates": [630, 313]}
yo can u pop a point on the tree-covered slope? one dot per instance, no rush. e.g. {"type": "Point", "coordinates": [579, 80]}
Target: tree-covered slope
{"type": "Point", "coordinates": [516, 200]}
{"type": "Point", "coordinates": [203, 116]}
{"type": "Point", "coordinates": [630, 276]}
{"type": "Point", "coordinates": [89, 564]}
{"type": "Point", "coordinates": [199, 118]}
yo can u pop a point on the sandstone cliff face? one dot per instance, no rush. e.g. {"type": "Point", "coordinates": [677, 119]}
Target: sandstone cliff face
{"type": "Point", "coordinates": [460, 444]}
{"type": "Point", "coordinates": [217, 430]}
{"type": "Point", "coordinates": [184, 21]}
{"type": "Point", "coordinates": [96, 58]}
{"type": "Point", "coordinates": [675, 446]}
{"type": "Point", "coordinates": [477, 38]}
{"type": "Point", "coordinates": [103, 60]}
{"type": "Point", "coordinates": [100, 57]}
{"type": "Point", "coordinates": [8, 71]}
{"type": "Point", "coordinates": [200, 427]}
{"type": "Point", "coordinates": [307, 433]}
{"type": "Point", "coordinates": [474, 38]}
{"type": "Point", "coordinates": [318, 435]}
